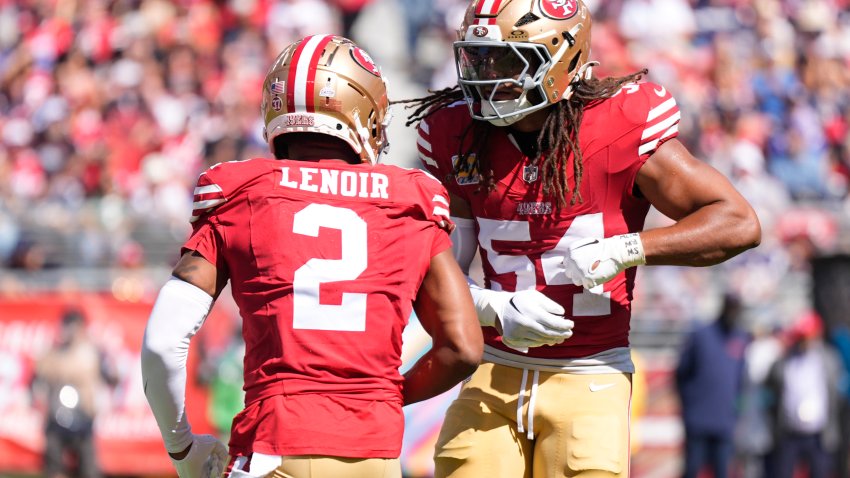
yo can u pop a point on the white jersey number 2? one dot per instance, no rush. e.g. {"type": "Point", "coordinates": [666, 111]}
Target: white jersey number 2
{"type": "Point", "coordinates": [309, 313]}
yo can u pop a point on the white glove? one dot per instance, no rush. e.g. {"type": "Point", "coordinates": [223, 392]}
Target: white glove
{"type": "Point", "coordinates": [206, 459]}
{"type": "Point", "coordinates": [592, 261]}
{"type": "Point", "coordinates": [530, 319]}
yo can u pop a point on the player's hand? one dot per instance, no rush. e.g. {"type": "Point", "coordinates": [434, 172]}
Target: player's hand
{"type": "Point", "coordinates": [593, 261]}
{"type": "Point", "coordinates": [207, 458]}
{"type": "Point", "coordinates": [530, 319]}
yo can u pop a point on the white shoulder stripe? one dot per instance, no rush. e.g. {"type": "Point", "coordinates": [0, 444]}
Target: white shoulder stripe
{"type": "Point", "coordinates": [661, 109]}
{"type": "Point", "coordinates": [423, 125]}
{"type": "Point", "coordinates": [212, 188]}
{"type": "Point", "coordinates": [200, 205]}
{"type": "Point", "coordinates": [647, 147]}
{"type": "Point", "coordinates": [422, 142]}
{"type": "Point", "coordinates": [661, 126]}
{"type": "Point", "coordinates": [441, 211]}
{"type": "Point", "coordinates": [427, 160]}
{"type": "Point", "coordinates": [441, 200]}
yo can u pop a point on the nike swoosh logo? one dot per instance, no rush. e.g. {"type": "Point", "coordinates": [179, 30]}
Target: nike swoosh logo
{"type": "Point", "coordinates": [599, 387]}
{"type": "Point", "coordinates": [595, 241]}
{"type": "Point", "coordinates": [661, 92]}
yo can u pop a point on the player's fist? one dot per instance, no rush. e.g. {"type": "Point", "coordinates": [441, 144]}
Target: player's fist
{"type": "Point", "coordinates": [207, 458]}
{"type": "Point", "coordinates": [530, 319]}
{"type": "Point", "coordinates": [592, 261]}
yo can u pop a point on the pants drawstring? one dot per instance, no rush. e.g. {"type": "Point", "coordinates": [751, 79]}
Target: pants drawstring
{"type": "Point", "coordinates": [532, 398]}
{"type": "Point", "coordinates": [520, 401]}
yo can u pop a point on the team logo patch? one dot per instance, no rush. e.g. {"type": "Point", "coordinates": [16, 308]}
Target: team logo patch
{"type": "Point", "coordinates": [298, 120]}
{"type": "Point", "coordinates": [559, 9]}
{"type": "Point", "coordinates": [364, 60]}
{"type": "Point", "coordinates": [468, 172]}
{"type": "Point", "coordinates": [480, 31]}
{"type": "Point", "coordinates": [277, 103]}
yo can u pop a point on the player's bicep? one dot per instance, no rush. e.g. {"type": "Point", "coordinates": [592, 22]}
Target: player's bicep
{"type": "Point", "coordinates": [677, 183]}
{"type": "Point", "coordinates": [196, 270]}
{"type": "Point", "coordinates": [444, 305]}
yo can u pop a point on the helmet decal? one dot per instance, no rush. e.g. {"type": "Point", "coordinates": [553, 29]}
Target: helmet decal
{"type": "Point", "coordinates": [363, 59]}
{"type": "Point", "coordinates": [488, 8]}
{"type": "Point", "coordinates": [302, 78]}
{"type": "Point", "coordinates": [559, 9]}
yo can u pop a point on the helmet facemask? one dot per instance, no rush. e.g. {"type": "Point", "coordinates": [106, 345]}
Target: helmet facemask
{"type": "Point", "coordinates": [502, 82]}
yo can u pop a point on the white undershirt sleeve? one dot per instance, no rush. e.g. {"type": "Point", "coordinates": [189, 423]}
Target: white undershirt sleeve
{"type": "Point", "coordinates": [464, 242]}
{"type": "Point", "coordinates": [488, 303]}
{"type": "Point", "coordinates": [179, 311]}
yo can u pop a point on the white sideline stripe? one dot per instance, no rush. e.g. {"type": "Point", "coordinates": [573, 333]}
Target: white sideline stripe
{"type": "Point", "coordinates": [206, 204]}
{"type": "Point", "coordinates": [212, 188]}
{"type": "Point", "coordinates": [303, 71]}
{"type": "Point", "coordinates": [441, 200]}
{"type": "Point", "coordinates": [427, 160]}
{"type": "Point", "coordinates": [425, 144]}
{"type": "Point", "coordinates": [661, 126]}
{"type": "Point", "coordinates": [661, 109]}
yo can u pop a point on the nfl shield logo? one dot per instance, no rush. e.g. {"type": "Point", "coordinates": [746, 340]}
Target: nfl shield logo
{"type": "Point", "coordinates": [530, 173]}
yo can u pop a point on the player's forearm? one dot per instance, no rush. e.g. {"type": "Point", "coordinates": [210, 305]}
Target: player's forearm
{"type": "Point", "coordinates": [436, 372]}
{"type": "Point", "coordinates": [710, 235]}
{"type": "Point", "coordinates": [178, 313]}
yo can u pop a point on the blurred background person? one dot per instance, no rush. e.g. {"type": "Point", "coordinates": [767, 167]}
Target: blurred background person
{"type": "Point", "coordinates": [805, 381]}
{"type": "Point", "coordinates": [708, 379]}
{"type": "Point", "coordinates": [68, 378]}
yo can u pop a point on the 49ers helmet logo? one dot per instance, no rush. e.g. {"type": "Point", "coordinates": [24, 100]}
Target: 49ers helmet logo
{"type": "Point", "coordinates": [559, 9]}
{"type": "Point", "coordinates": [363, 59]}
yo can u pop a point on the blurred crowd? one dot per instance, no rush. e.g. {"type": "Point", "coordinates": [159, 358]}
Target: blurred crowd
{"type": "Point", "coordinates": [109, 109]}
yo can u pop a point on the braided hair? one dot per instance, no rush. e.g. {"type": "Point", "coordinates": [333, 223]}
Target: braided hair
{"type": "Point", "coordinates": [556, 141]}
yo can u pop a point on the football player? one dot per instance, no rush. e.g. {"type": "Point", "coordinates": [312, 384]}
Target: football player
{"type": "Point", "coordinates": [327, 253]}
{"type": "Point", "coordinates": [551, 172]}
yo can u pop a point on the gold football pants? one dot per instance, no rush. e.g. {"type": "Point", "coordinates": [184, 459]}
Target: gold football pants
{"type": "Point", "coordinates": [510, 423]}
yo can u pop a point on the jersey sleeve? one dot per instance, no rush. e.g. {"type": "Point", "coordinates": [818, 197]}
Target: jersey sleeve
{"type": "Point", "coordinates": [208, 195]}
{"type": "Point", "coordinates": [438, 146]}
{"type": "Point", "coordinates": [432, 201]}
{"type": "Point", "coordinates": [659, 114]}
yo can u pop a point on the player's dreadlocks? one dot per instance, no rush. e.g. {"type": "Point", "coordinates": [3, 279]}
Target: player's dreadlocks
{"type": "Point", "coordinates": [557, 141]}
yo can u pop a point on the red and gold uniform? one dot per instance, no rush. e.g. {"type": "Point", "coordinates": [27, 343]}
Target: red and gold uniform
{"type": "Point", "coordinates": [576, 406]}
{"type": "Point", "coordinates": [325, 260]}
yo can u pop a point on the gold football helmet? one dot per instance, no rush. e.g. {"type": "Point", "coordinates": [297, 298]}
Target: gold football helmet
{"type": "Point", "coordinates": [515, 57]}
{"type": "Point", "coordinates": [326, 84]}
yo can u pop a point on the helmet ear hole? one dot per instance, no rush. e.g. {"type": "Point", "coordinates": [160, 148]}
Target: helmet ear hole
{"type": "Point", "coordinates": [574, 62]}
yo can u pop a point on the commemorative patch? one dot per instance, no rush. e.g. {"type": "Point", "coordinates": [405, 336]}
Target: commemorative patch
{"type": "Point", "coordinates": [468, 172]}
{"type": "Point", "coordinates": [277, 103]}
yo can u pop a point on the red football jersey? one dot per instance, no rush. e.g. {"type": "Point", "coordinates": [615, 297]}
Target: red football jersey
{"type": "Point", "coordinates": [522, 234]}
{"type": "Point", "coordinates": [325, 260]}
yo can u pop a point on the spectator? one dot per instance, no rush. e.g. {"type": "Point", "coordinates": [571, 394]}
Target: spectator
{"type": "Point", "coordinates": [805, 382]}
{"type": "Point", "coordinates": [70, 374]}
{"type": "Point", "coordinates": [708, 379]}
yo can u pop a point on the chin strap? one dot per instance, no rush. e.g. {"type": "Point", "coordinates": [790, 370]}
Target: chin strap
{"type": "Point", "coordinates": [585, 72]}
